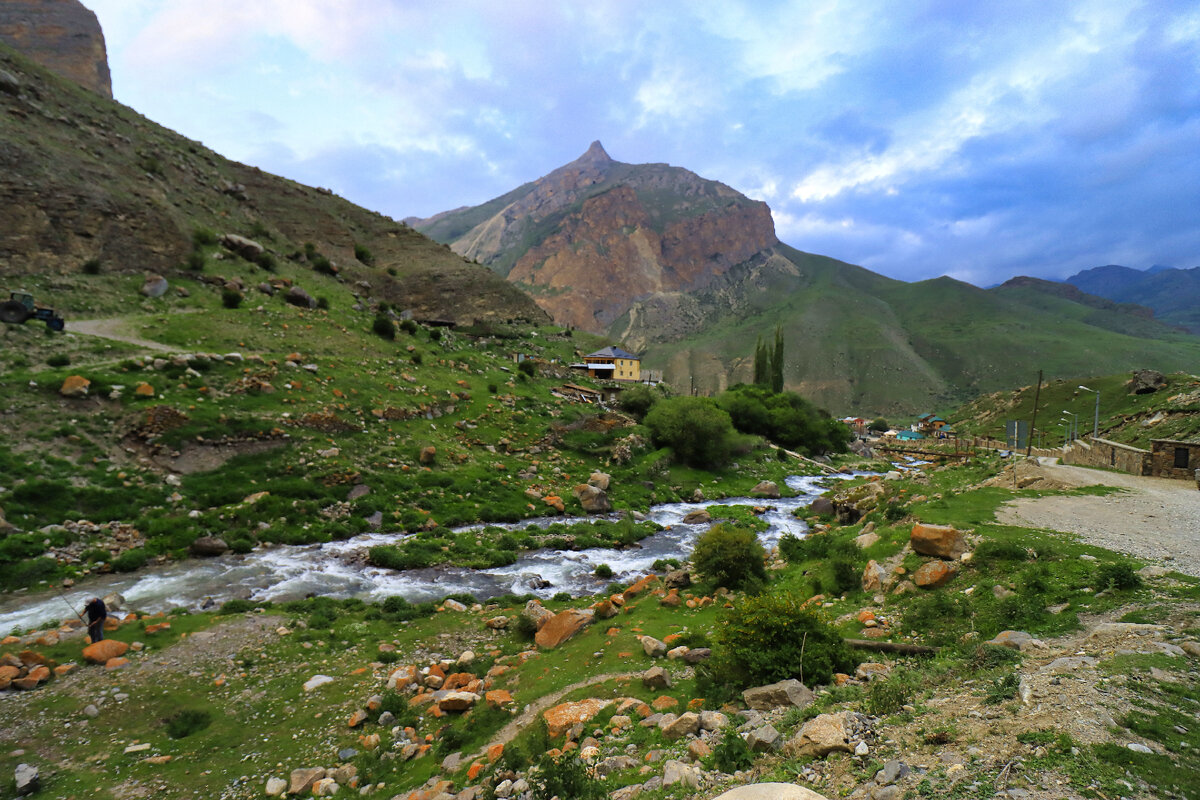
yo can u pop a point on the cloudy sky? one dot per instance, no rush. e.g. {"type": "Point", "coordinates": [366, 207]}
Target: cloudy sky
{"type": "Point", "coordinates": [917, 138]}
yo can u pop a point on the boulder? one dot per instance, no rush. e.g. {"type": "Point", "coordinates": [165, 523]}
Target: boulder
{"type": "Point", "coordinates": [75, 386]}
{"type": "Point", "coordinates": [537, 613]}
{"type": "Point", "coordinates": [686, 724]}
{"type": "Point", "coordinates": [655, 648]}
{"type": "Point", "coordinates": [822, 507]}
{"type": "Point", "coordinates": [594, 500]}
{"type": "Point", "coordinates": [298, 297]}
{"type": "Point", "coordinates": [764, 739]}
{"type": "Point", "coordinates": [154, 286]}
{"type": "Point", "coordinates": [874, 577]}
{"type": "Point", "coordinates": [458, 701]}
{"type": "Point", "coordinates": [771, 791]}
{"type": "Point", "coordinates": [790, 692]}
{"type": "Point", "coordinates": [676, 772]}
{"type": "Point", "coordinates": [823, 735]}
{"type": "Point", "coordinates": [605, 609]}
{"type": "Point", "coordinates": [563, 717]}
{"type": "Point", "coordinates": [208, 546]}
{"type": "Point", "coordinates": [275, 786]}
{"type": "Point", "coordinates": [100, 652]}
{"type": "Point", "coordinates": [563, 626]}
{"type": "Point", "coordinates": [600, 480]}
{"type": "Point", "coordinates": [697, 654]}
{"type": "Point", "coordinates": [315, 681]}
{"type": "Point", "coordinates": [27, 779]}
{"type": "Point", "coordinates": [713, 720]}
{"type": "Point", "coordinates": [499, 698]}
{"type": "Point", "coordinates": [656, 678]}
{"type": "Point", "coordinates": [699, 516]}
{"type": "Point", "coordinates": [302, 780]}
{"type": "Point", "coordinates": [866, 539]}
{"type": "Point", "coordinates": [1146, 381]}
{"type": "Point", "coordinates": [765, 489]}
{"type": "Point", "coordinates": [678, 579]}
{"type": "Point", "coordinates": [939, 541]}
{"type": "Point", "coordinates": [246, 248]}
{"type": "Point", "coordinates": [1015, 640]}
{"type": "Point", "coordinates": [428, 455]}
{"type": "Point", "coordinates": [934, 574]}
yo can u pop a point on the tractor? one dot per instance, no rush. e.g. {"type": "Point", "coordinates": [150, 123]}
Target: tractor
{"type": "Point", "coordinates": [20, 307]}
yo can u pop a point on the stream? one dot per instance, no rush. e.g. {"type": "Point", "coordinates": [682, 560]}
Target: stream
{"type": "Point", "coordinates": [288, 572]}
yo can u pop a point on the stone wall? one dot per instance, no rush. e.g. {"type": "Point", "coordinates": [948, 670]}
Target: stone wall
{"type": "Point", "coordinates": [61, 35]}
{"type": "Point", "coordinates": [1103, 453]}
{"type": "Point", "coordinates": [1162, 459]}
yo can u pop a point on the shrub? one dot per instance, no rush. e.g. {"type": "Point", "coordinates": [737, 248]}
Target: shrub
{"type": "Point", "coordinates": [323, 303]}
{"type": "Point", "coordinates": [665, 564]}
{"type": "Point", "coordinates": [493, 388]}
{"type": "Point", "coordinates": [203, 237]}
{"type": "Point", "coordinates": [886, 697]}
{"type": "Point", "coordinates": [697, 431]}
{"type": "Point", "coordinates": [638, 400]}
{"type": "Point", "coordinates": [603, 571]}
{"type": "Point", "coordinates": [130, 560]}
{"type": "Point", "coordinates": [998, 550]}
{"type": "Point", "coordinates": [561, 597]}
{"type": "Point", "coordinates": [1117, 575]}
{"type": "Point", "coordinates": [785, 418]}
{"type": "Point", "coordinates": [91, 266]}
{"type": "Point", "coordinates": [384, 327]}
{"type": "Point", "coordinates": [231, 298]}
{"type": "Point", "coordinates": [527, 367]}
{"type": "Point", "coordinates": [195, 261]}
{"type": "Point", "coordinates": [324, 266]}
{"type": "Point", "coordinates": [566, 776]}
{"type": "Point", "coordinates": [363, 254]}
{"type": "Point", "coordinates": [732, 753]}
{"type": "Point", "coordinates": [416, 359]}
{"type": "Point", "coordinates": [236, 606]}
{"type": "Point", "coordinates": [435, 335]}
{"type": "Point", "coordinates": [409, 327]}
{"type": "Point", "coordinates": [730, 557]}
{"type": "Point", "coordinates": [266, 261]}
{"type": "Point", "coordinates": [525, 628]}
{"type": "Point", "coordinates": [770, 637]}
{"type": "Point", "coordinates": [59, 360]}
{"type": "Point", "coordinates": [187, 722]}
{"type": "Point", "coordinates": [1002, 689]}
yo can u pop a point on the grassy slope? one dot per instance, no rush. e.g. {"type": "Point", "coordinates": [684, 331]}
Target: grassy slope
{"type": "Point", "coordinates": [858, 342]}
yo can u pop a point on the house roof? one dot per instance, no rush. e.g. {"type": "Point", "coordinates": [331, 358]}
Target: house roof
{"type": "Point", "coordinates": [909, 435]}
{"type": "Point", "coordinates": [612, 352]}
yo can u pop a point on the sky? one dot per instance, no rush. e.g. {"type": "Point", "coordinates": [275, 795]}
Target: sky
{"type": "Point", "coordinates": [917, 138]}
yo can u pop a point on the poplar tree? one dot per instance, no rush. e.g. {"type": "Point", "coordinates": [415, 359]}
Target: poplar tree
{"type": "Point", "coordinates": [777, 362]}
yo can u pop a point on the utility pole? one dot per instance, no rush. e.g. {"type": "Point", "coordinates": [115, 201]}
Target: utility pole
{"type": "Point", "coordinates": [1033, 421]}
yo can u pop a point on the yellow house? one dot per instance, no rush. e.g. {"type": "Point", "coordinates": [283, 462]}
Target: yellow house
{"type": "Point", "coordinates": [613, 363]}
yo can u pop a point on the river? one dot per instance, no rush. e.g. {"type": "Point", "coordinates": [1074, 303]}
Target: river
{"type": "Point", "coordinates": [288, 572]}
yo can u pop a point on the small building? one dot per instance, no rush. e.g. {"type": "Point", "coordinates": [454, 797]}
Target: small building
{"type": "Point", "coordinates": [929, 423]}
{"type": "Point", "coordinates": [909, 436]}
{"type": "Point", "coordinates": [1172, 459]}
{"type": "Point", "coordinates": [612, 363]}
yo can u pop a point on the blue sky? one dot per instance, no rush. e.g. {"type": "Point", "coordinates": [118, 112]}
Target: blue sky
{"type": "Point", "coordinates": [977, 140]}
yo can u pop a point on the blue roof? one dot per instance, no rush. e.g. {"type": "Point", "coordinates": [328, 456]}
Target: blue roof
{"type": "Point", "coordinates": [910, 435]}
{"type": "Point", "coordinates": [612, 352]}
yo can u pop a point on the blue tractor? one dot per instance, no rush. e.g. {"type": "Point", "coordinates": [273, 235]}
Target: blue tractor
{"type": "Point", "coordinates": [20, 307]}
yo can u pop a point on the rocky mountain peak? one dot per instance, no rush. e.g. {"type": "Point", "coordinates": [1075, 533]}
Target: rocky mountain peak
{"type": "Point", "coordinates": [596, 154]}
{"type": "Point", "coordinates": [61, 35]}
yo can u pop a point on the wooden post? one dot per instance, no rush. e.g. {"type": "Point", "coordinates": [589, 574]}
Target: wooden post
{"type": "Point", "coordinates": [1033, 422]}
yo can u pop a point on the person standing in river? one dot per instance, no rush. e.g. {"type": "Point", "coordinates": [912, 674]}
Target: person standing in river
{"type": "Point", "coordinates": [96, 613]}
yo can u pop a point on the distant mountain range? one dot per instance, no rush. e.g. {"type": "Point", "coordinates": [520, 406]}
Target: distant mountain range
{"type": "Point", "coordinates": [689, 272]}
{"type": "Point", "coordinates": [1173, 294]}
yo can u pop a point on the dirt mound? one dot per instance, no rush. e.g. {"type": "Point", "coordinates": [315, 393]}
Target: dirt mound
{"type": "Point", "coordinates": [1025, 474]}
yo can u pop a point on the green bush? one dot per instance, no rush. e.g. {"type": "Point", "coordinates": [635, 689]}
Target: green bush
{"type": "Point", "coordinates": [638, 400]}
{"type": "Point", "coordinates": [130, 560]}
{"type": "Point", "coordinates": [195, 261]}
{"type": "Point", "coordinates": [732, 753]}
{"type": "Point", "coordinates": [1002, 689]}
{"type": "Point", "coordinates": [266, 261]}
{"type": "Point", "coordinates": [363, 254]}
{"type": "Point", "coordinates": [785, 418]}
{"type": "Point", "coordinates": [730, 557]}
{"type": "Point", "coordinates": [527, 367]}
{"type": "Point", "coordinates": [603, 571]}
{"type": "Point", "coordinates": [91, 266]}
{"type": "Point", "coordinates": [236, 606]}
{"type": "Point", "coordinates": [409, 326]}
{"type": "Point", "coordinates": [886, 697]}
{"type": "Point", "coordinates": [1000, 550]}
{"type": "Point", "coordinates": [58, 360]}
{"type": "Point", "coordinates": [698, 432]}
{"type": "Point", "coordinates": [384, 327]}
{"type": "Point", "coordinates": [203, 237]}
{"type": "Point", "coordinates": [770, 637]}
{"type": "Point", "coordinates": [1117, 575]}
{"type": "Point", "coordinates": [187, 722]}
{"type": "Point", "coordinates": [323, 302]}
{"type": "Point", "coordinates": [566, 776]}
{"type": "Point", "coordinates": [231, 298]}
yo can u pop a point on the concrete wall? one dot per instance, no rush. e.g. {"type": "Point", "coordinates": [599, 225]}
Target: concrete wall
{"type": "Point", "coordinates": [1162, 459]}
{"type": "Point", "coordinates": [1103, 453]}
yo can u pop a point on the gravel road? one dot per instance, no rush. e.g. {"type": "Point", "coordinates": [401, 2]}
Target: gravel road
{"type": "Point", "coordinates": [1155, 519]}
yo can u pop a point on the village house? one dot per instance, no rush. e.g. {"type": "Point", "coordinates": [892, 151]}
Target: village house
{"type": "Point", "coordinates": [612, 363]}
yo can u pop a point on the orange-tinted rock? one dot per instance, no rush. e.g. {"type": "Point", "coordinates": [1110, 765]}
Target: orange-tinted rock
{"type": "Point", "coordinates": [458, 680]}
{"type": "Point", "coordinates": [9, 672]}
{"type": "Point", "coordinates": [474, 770]}
{"type": "Point", "coordinates": [158, 626]}
{"type": "Point", "coordinates": [866, 615]}
{"type": "Point", "coordinates": [494, 752]}
{"type": "Point", "coordinates": [30, 657]}
{"type": "Point", "coordinates": [874, 577]}
{"type": "Point", "coordinates": [100, 652]}
{"type": "Point", "coordinates": [562, 627]}
{"type": "Point", "coordinates": [564, 716]}
{"type": "Point", "coordinates": [357, 718]}
{"type": "Point", "coordinates": [144, 389]}
{"type": "Point", "coordinates": [664, 703]}
{"type": "Point", "coordinates": [116, 663]}
{"type": "Point", "coordinates": [933, 574]}
{"type": "Point", "coordinates": [940, 541]}
{"type": "Point", "coordinates": [75, 386]}
{"type": "Point", "coordinates": [605, 609]}
{"type": "Point", "coordinates": [640, 586]}
{"type": "Point", "coordinates": [499, 698]}
{"type": "Point", "coordinates": [555, 502]}
{"type": "Point", "coordinates": [63, 669]}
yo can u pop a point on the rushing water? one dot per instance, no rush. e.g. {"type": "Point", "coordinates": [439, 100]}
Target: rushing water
{"type": "Point", "coordinates": [294, 571]}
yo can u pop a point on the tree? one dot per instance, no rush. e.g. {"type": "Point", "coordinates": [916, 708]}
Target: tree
{"type": "Point", "coordinates": [730, 557]}
{"type": "Point", "coordinates": [762, 366]}
{"type": "Point", "coordinates": [700, 434]}
{"type": "Point", "coordinates": [777, 362]}
{"type": "Point", "coordinates": [879, 424]}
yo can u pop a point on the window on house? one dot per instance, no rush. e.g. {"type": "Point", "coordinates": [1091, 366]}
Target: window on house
{"type": "Point", "coordinates": [1181, 457]}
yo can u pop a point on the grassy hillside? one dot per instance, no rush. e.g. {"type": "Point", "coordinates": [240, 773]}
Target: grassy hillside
{"type": "Point", "coordinates": [860, 343]}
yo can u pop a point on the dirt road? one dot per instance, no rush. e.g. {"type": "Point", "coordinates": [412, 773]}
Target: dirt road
{"type": "Point", "coordinates": [1155, 519]}
{"type": "Point", "coordinates": [113, 328]}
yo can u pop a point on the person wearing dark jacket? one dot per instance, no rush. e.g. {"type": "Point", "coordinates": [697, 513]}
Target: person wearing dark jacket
{"type": "Point", "coordinates": [96, 613]}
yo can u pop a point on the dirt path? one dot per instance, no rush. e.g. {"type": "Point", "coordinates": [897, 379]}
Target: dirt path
{"type": "Point", "coordinates": [112, 328]}
{"type": "Point", "coordinates": [526, 717]}
{"type": "Point", "coordinates": [1156, 519]}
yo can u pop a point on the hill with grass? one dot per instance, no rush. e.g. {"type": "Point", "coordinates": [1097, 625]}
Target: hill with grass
{"type": "Point", "coordinates": [93, 197]}
{"type": "Point", "coordinates": [599, 245]}
{"type": "Point", "coordinates": [1173, 294]}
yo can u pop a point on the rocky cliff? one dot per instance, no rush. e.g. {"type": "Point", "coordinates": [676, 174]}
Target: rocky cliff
{"type": "Point", "coordinates": [61, 35]}
{"type": "Point", "coordinates": [595, 236]}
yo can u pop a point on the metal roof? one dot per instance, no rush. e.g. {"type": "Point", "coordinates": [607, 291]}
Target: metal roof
{"type": "Point", "coordinates": [612, 352]}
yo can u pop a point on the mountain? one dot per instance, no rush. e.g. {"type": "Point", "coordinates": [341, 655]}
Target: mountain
{"type": "Point", "coordinates": [1173, 294]}
{"type": "Point", "coordinates": [62, 36]}
{"type": "Point", "coordinates": [596, 235]}
{"type": "Point", "coordinates": [690, 272]}
{"type": "Point", "coordinates": [85, 180]}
